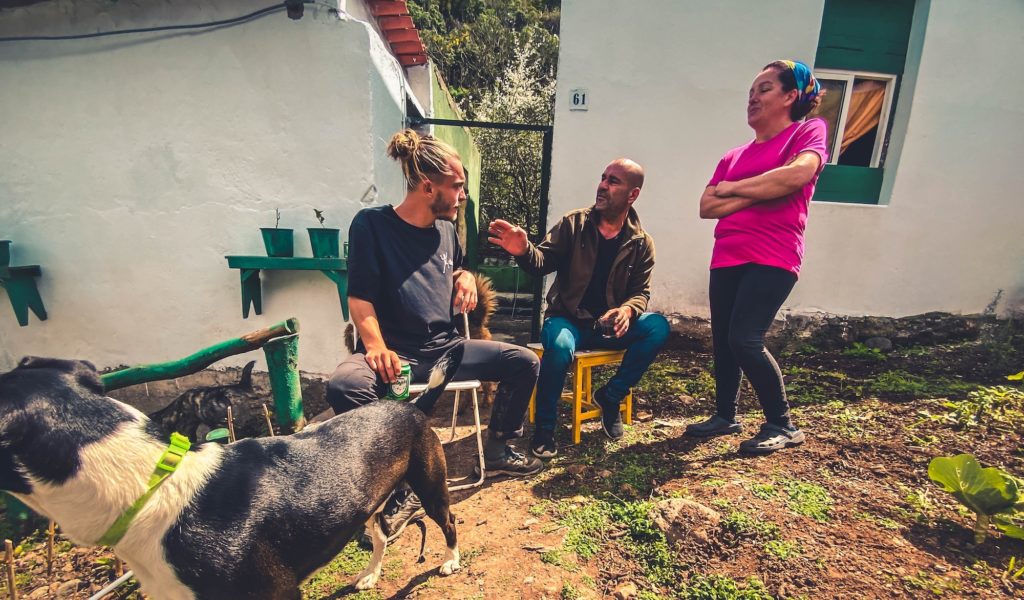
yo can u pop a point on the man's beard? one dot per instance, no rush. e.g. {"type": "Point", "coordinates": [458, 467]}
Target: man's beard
{"type": "Point", "coordinates": [440, 209]}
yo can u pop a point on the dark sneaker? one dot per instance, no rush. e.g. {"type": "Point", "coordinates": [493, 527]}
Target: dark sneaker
{"type": "Point", "coordinates": [513, 463]}
{"type": "Point", "coordinates": [543, 444]}
{"type": "Point", "coordinates": [713, 426]}
{"type": "Point", "coordinates": [771, 438]}
{"type": "Point", "coordinates": [611, 418]}
{"type": "Point", "coordinates": [402, 508]}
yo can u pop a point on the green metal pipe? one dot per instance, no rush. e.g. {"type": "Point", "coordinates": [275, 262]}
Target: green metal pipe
{"type": "Point", "coordinates": [283, 364]}
{"type": "Point", "coordinates": [199, 360]}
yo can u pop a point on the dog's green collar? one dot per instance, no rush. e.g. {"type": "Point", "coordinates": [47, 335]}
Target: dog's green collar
{"type": "Point", "coordinates": [167, 464]}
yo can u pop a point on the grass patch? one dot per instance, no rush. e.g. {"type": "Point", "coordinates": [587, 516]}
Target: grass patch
{"type": "Point", "coordinates": [570, 592]}
{"type": "Point", "coordinates": [763, 491]}
{"type": "Point", "coordinates": [809, 499]}
{"type": "Point", "coordinates": [813, 386]}
{"type": "Point", "coordinates": [934, 584]}
{"type": "Point", "coordinates": [557, 558]}
{"type": "Point", "coordinates": [904, 385]}
{"type": "Point", "coordinates": [645, 541]}
{"type": "Point", "coordinates": [669, 380]}
{"type": "Point", "coordinates": [742, 524]}
{"type": "Point", "coordinates": [719, 587]}
{"type": "Point", "coordinates": [339, 574]}
{"type": "Point", "coordinates": [781, 549]}
{"type": "Point", "coordinates": [883, 522]}
{"type": "Point", "coordinates": [585, 526]}
{"type": "Point", "coordinates": [860, 351]}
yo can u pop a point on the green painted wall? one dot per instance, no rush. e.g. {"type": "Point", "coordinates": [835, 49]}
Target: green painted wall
{"type": "Point", "coordinates": [461, 139]}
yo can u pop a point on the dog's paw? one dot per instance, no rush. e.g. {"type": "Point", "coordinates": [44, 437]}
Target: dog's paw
{"type": "Point", "coordinates": [450, 567]}
{"type": "Point", "coordinates": [367, 580]}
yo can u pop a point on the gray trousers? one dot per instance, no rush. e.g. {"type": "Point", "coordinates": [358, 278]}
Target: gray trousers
{"type": "Point", "coordinates": [514, 368]}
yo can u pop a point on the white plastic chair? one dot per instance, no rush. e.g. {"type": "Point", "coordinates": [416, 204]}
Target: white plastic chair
{"type": "Point", "coordinates": [473, 386]}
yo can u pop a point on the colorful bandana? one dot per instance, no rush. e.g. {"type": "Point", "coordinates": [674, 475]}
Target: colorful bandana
{"type": "Point", "coordinates": [807, 86]}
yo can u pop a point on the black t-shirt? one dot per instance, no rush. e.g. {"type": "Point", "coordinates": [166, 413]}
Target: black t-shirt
{"type": "Point", "coordinates": [595, 299]}
{"type": "Point", "coordinates": [406, 273]}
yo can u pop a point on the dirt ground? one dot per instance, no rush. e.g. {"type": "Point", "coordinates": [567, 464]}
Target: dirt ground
{"type": "Point", "coordinates": [850, 514]}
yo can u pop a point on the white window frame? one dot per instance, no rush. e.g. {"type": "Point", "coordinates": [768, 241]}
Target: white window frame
{"type": "Point", "coordinates": [883, 121]}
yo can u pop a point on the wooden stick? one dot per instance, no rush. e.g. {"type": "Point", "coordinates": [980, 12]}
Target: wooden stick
{"type": "Point", "coordinates": [231, 427]}
{"type": "Point", "coordinates": [266, 415]}
{"type": "Point", "coordinates": [49, 547]}
{"type": "Point", "coordinates": [11, 589]}
{"type": "Point", "coordinates": [118, 566]}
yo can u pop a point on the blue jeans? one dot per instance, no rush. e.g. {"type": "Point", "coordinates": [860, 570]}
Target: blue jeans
{"type": "Point", "coordinates": [561, 338]}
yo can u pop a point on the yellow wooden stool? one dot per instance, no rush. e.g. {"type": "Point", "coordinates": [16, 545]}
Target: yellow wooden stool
{"type": "Point", "coordinates": [580, 397]}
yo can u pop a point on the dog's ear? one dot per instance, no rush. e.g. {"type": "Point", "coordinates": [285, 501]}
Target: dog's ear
{"type": "Point", "coordinates": [442, 372]}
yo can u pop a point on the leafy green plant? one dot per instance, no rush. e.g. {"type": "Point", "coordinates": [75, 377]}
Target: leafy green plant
{"type": "Point", "coordinates": [991, 493]}
{"type": "Point", "coordinates": [900, 383]}
{"type": "Point", "coordinates": [997, 406]}
{"type": "Point", "coordinates": [719, 587]}
{"type": "Point", "coordinates": [742, 524]}
{"type": "Point", "coordinates": [861, 351]}
{"type": "Point", "coordinates": [781, 549]}
{"type": "Point", "coordinates": [1012, 572]}
{"type": "Point", "coordinates": [809, 499]}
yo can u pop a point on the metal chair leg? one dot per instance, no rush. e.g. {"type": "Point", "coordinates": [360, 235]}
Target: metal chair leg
{"type": "Point", "coordinates": [479, 448]}
{"type": "Point", "coordinates": [455, 416]}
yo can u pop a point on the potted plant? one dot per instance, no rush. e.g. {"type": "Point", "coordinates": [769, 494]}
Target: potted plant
{"type": "Point", "coordinates": [323, 240]}
{"type": "Point", "coordinates": [278, 241]}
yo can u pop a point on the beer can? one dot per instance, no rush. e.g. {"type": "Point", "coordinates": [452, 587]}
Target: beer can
{"type": "Point", "coordinates": [399, 388]}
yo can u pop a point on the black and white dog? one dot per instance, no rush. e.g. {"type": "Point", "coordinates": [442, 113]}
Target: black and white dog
{"type": "Point", "coordinates": [250, 520]}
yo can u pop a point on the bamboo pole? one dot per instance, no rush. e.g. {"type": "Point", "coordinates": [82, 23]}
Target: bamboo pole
{"type": "Point", "coordinates": [50, 532]}
{"type": "Point", "coordinates": [198, 360]}
{"type": "Point", "coordinates": [11, 589]}
{"type": "Point", "coordinates": [270, 424]}
{"type": "Point", "coordinates": [231, 427]}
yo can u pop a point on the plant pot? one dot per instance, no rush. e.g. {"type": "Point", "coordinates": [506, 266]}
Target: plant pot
{"type": "Point", "coordinates": [5, 253]}
{"type": "Point", "coordinates": [278, 241]}
{"type": "Point", "coordinates": [324, 241]}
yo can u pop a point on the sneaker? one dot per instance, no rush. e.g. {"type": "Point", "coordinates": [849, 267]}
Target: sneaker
{"type": "Point", "coordinates": [512, 463]}
{"type": "Point", "coordinates": [543, 444]}
{"type": "Point", "coordinates": [713, 426]}
{"type": "Point", "coordinates": [611, 418]}
{"type": "Point", "coordinates": [402, 508]}
{"type": "Point", "coordinates": [772, 437]}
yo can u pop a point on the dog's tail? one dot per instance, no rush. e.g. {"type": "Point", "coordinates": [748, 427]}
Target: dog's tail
{"type": "Point", "coordinates": [442, 372]}
{"type": "Point", "coordinates": [486, 301]}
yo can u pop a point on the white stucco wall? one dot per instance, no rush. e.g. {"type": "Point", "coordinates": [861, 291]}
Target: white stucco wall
{"type": "Point", "coordinates": [133, 165]}
{"type": "Point", "coordinates": [668, 85]}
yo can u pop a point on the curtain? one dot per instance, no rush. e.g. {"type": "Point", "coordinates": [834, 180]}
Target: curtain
{"type": "Point", "coordinates": [865, 110]}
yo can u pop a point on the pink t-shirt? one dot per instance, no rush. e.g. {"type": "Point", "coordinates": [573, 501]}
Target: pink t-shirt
{"type": "Point", "coordinates": [768, 233]}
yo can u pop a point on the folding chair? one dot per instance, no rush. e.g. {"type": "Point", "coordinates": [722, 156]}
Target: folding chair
{"type": "Point", "coordinates": [473, 386]}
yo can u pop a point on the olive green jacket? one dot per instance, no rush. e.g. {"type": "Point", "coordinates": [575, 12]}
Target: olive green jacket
{"type": "Point", "coordinates": [570, 251]}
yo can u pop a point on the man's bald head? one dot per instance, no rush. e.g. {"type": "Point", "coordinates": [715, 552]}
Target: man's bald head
{"type": "Point", "coordinates": [633, 172]}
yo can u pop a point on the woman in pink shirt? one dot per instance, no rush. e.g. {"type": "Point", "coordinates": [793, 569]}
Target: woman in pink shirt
{"type": "Point", "coordinates": [760, 193]}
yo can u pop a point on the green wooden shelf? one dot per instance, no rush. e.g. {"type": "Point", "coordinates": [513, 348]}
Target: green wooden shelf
{"type": "Point", "coordinates": [335, 269]}
{"type": "Point", "coordinates": [20, 283]}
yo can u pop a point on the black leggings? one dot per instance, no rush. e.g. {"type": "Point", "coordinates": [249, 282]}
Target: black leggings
{"type": "Point", "coordinates": [744, 300]}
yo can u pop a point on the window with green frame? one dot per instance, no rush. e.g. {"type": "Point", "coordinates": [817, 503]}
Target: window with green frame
{"type": "Point", "coordinates": [862, 51]}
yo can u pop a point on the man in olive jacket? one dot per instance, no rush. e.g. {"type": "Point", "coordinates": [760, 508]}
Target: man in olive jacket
{"type": "Point", "coordinates": [603, 260]}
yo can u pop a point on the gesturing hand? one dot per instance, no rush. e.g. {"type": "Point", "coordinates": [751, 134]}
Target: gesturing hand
{"type": "Point", "coordinates": [511, 238]}
{"type": "Point", "coordinates": [385, 363]}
